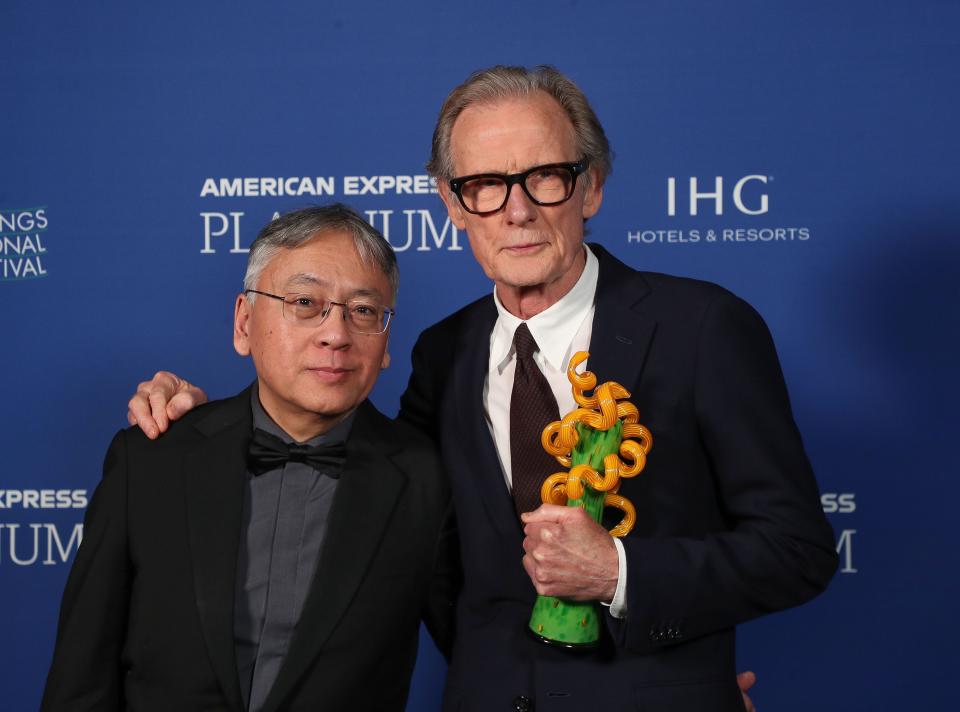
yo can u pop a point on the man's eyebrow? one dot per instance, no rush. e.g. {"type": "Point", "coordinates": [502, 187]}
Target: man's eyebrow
{"type": "Point", "coordinates": [305, 278]}
{"type": "Point", "coordinates": [366, 293]}
{"type": "Point", "coordinates": [311, 280]}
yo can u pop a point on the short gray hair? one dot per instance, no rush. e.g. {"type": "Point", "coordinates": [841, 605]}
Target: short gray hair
{"type": "Point", "coordinates": [502, 82]}
{"type": "Point", "coordinates": [293, 229]}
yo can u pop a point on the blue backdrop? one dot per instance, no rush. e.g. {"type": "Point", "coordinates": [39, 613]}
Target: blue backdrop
{"type": "Point", "coordinates": [802, 155]}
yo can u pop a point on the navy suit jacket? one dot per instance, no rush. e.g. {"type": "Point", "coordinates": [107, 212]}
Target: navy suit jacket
{"type": "Point", "coordinates": [729, 522]}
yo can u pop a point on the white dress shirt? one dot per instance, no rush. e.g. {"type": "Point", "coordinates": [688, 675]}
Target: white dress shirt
{"type": "Point", "coordinates": [560, 332]}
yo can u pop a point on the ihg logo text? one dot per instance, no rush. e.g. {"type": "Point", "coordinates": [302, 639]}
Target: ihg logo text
{"type": "Point", "coordinates": [747, 195]}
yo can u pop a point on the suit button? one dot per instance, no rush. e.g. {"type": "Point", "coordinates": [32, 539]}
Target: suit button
{"type": "Point", "coordinates": [522, 703]}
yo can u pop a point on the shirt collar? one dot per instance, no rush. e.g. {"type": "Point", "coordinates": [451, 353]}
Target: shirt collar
{"type": "Point", "coordinates": [261, 419]}
{"type": "Point", "coordinates": [554, 328]}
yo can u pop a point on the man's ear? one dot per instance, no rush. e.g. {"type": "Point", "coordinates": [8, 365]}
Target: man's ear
{"type": "Point", "coordinates": [592, 195]}
{"type": "Point", "coordinates": [450, 201]}
{"type": "Point", "coordinates": [241, 325]}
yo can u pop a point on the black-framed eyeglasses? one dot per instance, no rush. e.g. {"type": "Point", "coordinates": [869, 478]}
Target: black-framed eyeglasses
{"type": "Point", "coordinates": [306, 309]}
{"type": "Point", "coordinates": [550, 184]}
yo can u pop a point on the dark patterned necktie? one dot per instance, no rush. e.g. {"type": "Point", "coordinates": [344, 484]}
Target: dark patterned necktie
{"type": "Point", "coordinates": [532, 407]}
{"type": "Point", "coordinates": [268, 452]}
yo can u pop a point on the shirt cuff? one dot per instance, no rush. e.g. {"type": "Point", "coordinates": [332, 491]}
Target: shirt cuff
{"type": "Point", "coordinates": [618, 606]}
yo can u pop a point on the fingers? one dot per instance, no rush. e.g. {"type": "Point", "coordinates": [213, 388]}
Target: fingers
{"type": "Point", "coordinates": [530, 566]}
{"type": "Point", "coordinates": [575, 535]}
{"type": "Point", "coordinates": [186, 400]}
{"type": "Point", "coordinates": [547, 531]}
{"type": "Point", "coordinates": [540, 547]}
{"type": "Point", "coordinates": [552, 513]}
{"type": "Point", "coordinates": [158, 401]}
{"type": "Point", "coordinates": [571, 559]}
{"type": "Point", "coordinates": [540, 541]}
{"type": "Point", "coordinates": [572, 525]}
{"type": "Point", "coordinates": [139, 413]}
{"type": "Point", "coordinates": [539, 576]}
{"type": "Point", "coordinates": [745, 681]}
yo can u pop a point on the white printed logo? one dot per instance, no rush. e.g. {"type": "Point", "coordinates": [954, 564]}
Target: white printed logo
{"type": "Point", "coordinates": [22, 243]}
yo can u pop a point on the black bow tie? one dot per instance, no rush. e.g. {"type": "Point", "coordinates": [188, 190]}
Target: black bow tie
{"type": "Point", "coordinates": [268, 452]}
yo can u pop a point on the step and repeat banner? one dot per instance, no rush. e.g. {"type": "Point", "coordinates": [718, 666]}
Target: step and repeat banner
{"type": "Point", "coordinates": [802, 155]}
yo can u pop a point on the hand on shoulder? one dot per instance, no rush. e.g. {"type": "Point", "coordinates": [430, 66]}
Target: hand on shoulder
{"type": "Point", "coordinates": [164, 398]}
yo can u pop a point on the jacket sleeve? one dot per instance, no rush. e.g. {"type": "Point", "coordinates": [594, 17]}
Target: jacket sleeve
{"type": "Point", "coordinates": [440, 611]}
{"type": "Point", "coordinates": [777, 549]}
{"type": "Point", "coordinates": [87, 672]}
{"type": "Point", "coordinates": [420, 402]}
{"type": "Point", "coordinates": [419, 407]}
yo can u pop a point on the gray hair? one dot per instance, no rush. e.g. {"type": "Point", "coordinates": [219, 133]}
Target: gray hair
{"type": "Point", "coordinates": [501, 82]}
{"type": "Point", "coordinates": [296, 228]}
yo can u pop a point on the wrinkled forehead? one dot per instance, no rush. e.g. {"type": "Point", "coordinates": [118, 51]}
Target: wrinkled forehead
{"type": "Point", "coordinates": [328, 265]}
{"type": "Point", "coordinates": [512, 132]}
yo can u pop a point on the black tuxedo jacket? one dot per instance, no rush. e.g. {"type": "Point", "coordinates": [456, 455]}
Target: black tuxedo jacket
{"type": "Point", "coordinates": [729, 523]}
{"type": "Point", "coordinates": [147, 616]}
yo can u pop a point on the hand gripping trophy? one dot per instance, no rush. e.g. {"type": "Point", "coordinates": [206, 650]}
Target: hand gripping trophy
{"type": "Point", "coordinates": [589, 439]}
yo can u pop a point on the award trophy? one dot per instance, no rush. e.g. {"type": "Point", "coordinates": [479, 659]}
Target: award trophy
{"type": "Point", "coordinates": [590, 439]}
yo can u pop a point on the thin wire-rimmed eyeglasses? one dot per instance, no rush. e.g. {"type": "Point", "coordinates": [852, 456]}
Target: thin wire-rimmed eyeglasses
{"type": "Point", "coordinates": [312, 310]}
{"type": "Point", "coordinates": [549, 184]}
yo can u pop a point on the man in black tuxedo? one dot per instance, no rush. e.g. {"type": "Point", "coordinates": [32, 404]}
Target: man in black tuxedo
{"type": "Point", "coordinates": [276, 550]}
{"type": "Point", "coordinates": [729, 520]}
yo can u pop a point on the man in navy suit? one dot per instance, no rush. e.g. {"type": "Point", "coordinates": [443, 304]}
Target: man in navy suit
{"type": "Point", "coordinates": [729, 523]}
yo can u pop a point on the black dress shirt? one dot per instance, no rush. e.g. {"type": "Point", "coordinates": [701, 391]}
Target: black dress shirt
{"type": "Point", "coordinates": [284, 519]}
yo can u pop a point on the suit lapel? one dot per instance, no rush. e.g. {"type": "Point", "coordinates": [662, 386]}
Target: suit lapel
{"type": "Point", "coordinates": [369, 489]}
{"type": "Point", "coordinates": [213, 480]}
{"type": "Point", "coordinates": [622, 332]}
{"type": "Point", "coordinates": [480, 460]}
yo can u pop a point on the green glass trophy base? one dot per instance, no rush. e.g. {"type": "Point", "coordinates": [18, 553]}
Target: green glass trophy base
{"type": "Point", "coordinates": [565, 624]}
{"type": "Point", "coordinates": [569, 624]}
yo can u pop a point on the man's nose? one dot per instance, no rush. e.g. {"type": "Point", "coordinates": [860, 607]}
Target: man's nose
{"type": "Point", "coordinates": [520, 209]}
{"type": "Point", "coordinates": [333, 331]}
